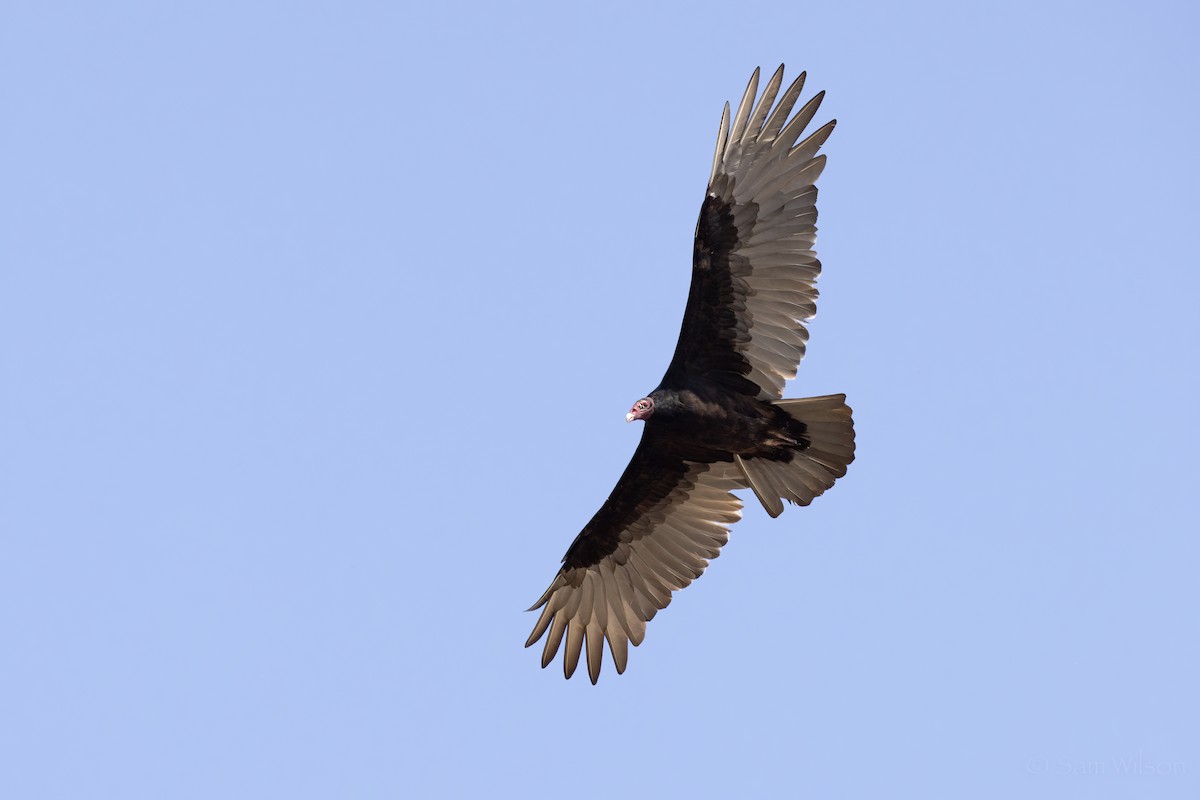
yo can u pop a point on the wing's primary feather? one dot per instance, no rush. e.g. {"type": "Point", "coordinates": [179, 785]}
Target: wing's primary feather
{"type": "Point", "coordinates": [754, 270]}
{"type": "Point", "coordinates": [654, 535]}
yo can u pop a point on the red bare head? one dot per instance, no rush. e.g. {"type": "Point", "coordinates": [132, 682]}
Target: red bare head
{"type": "Point", "coordinates": [642, 409]}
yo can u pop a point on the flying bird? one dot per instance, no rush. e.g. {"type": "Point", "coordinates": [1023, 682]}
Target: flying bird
{"type": "Point", "coordinates": [717, 422]}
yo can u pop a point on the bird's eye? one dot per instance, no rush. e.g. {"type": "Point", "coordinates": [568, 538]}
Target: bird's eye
{"type": "Point", "coordinates": [643, 405]}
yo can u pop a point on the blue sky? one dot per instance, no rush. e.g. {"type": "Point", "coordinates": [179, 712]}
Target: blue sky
{"type": "Point", "coordinates": [318, 323]}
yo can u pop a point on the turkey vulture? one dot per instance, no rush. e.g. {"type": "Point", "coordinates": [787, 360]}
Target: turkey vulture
{"type": "Point", "coordinates": [716, 423]}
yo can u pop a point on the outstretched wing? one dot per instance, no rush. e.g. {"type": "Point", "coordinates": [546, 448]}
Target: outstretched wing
{"type": "Point", "coordinates": [753, 269]}
{"type": "Point", "coordinates": [654, 535]}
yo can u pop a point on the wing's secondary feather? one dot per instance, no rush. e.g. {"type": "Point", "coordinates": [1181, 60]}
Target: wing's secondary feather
{"type": "Point", "coordinates": [654, 535]}
{"type": "Point", "coordinates": [754, 270]}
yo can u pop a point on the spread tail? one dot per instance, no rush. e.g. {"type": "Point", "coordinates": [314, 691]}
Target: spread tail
{"type": "Point", "coordinates": [825, 446]}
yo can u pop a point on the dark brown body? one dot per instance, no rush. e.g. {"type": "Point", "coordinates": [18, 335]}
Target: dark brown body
{"type": "Point", "coordinates": [719, 424]}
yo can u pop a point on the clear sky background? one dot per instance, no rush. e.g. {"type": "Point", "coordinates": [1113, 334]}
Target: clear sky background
{"type": "Point", "coordinates": [318, 323]}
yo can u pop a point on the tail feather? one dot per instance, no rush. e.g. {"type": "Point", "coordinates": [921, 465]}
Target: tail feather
{"type": "Point", "coordinates": [829, 432]}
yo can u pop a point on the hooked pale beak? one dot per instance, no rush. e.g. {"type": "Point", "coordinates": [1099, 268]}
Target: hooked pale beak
{"type": "Point", "coordinates": [630, 417]}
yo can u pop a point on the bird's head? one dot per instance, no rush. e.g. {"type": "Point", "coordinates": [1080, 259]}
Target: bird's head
{"type": "Point", "coordinates": [642, 409]}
